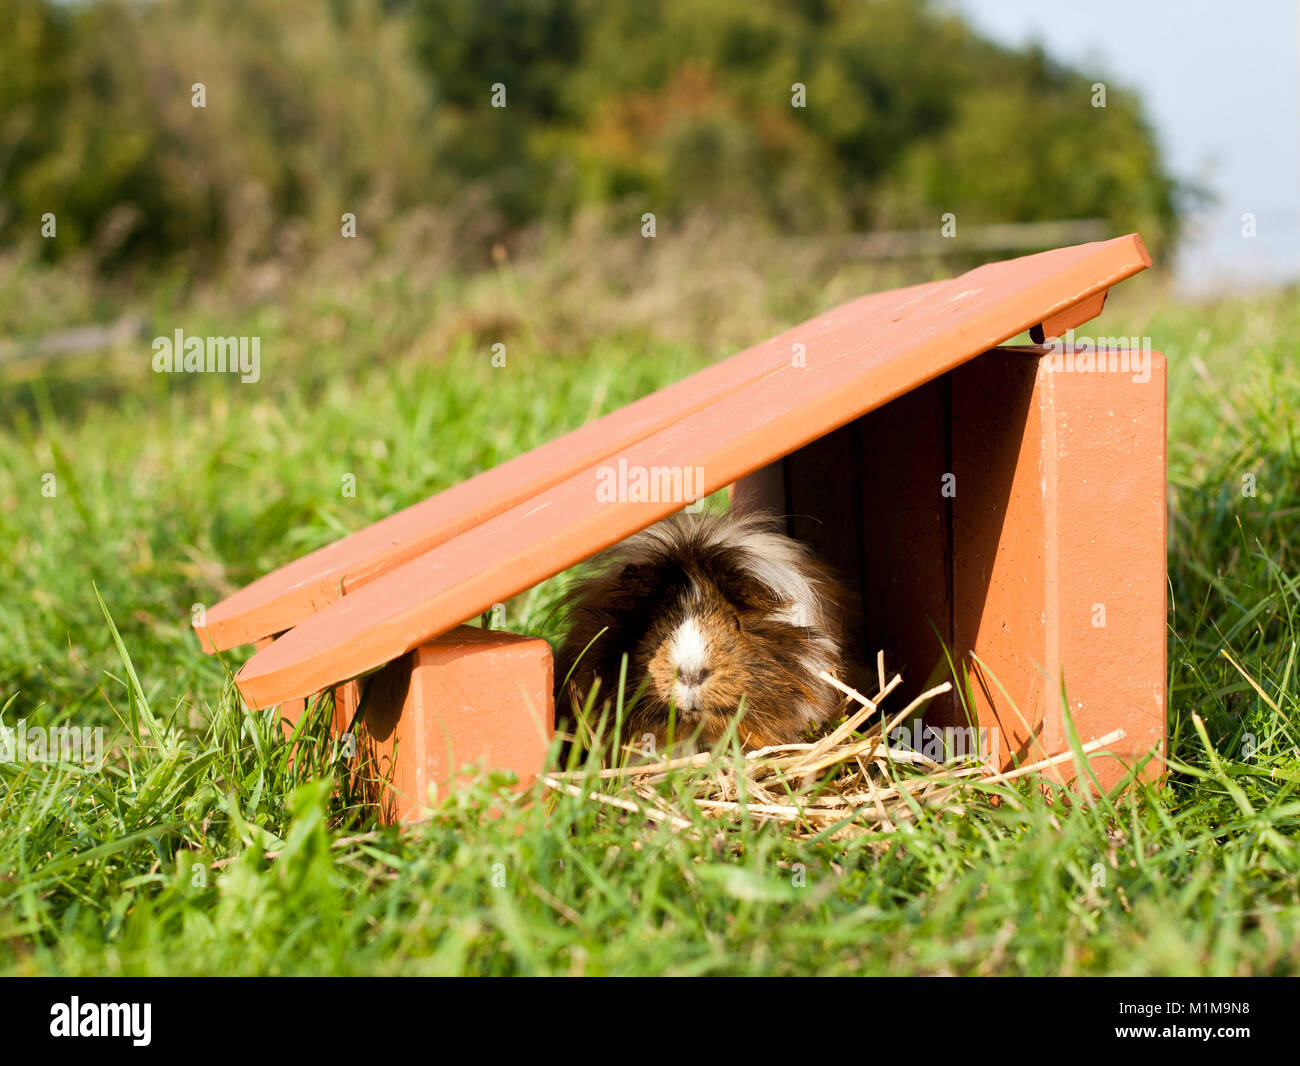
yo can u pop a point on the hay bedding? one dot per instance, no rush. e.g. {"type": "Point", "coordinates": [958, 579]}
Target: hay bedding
{"type": "Point", "coordinates": [849, 782]}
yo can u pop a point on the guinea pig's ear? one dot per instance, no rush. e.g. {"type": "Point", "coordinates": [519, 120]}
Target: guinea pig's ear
{"type": "Point", "coordinates": [636, 577]}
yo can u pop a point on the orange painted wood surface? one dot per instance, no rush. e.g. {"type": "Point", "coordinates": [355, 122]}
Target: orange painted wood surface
{"type": "Point", "coordinates": [1071, 318]}
{"type": "Point", "coordinates": [858, 357]}
{"type": "Point", "coordinates": [286, 596]}
{"type": "Point", "coordinates": [281, 599]}
{"type": "Point", "coordinates": [290, 710]}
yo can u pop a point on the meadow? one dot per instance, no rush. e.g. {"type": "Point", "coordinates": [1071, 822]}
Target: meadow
{"type": "Point", "coordinates": [128, 497]}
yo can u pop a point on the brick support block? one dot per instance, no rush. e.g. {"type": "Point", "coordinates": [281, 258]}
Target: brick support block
{"type": "Point", "coordinates": [1059, 548]}
{"type": "Point", "coordinates": [1012, 511]}
{"type": "Point", "coordinates": [471, 697]}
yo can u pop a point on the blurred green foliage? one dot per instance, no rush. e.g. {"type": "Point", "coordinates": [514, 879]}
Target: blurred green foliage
{"type": "Point", "coordinates": [671, 106]}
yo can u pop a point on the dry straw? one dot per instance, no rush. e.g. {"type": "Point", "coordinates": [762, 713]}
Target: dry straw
{"type": "Point", "coordinates": [849, 782]}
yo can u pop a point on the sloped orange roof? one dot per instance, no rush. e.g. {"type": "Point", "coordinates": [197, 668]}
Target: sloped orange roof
{"type": "Point", "coordinates": [358, 603]}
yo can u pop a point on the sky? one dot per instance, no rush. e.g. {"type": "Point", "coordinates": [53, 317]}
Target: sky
{"type": "Point", "coordinates": [1220, 82]}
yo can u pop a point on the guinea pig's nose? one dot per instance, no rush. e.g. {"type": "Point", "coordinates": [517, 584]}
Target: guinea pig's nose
{"type": "Point", "coordinates": [694, 677]}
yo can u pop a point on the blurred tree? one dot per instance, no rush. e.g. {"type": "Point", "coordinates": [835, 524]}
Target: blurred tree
{"type": "Point", "coordinates": [308, 111]}
{"type": "Point", "coordinates": [674, 105]}
{"type": "Point", "coordinates": [670, 106]}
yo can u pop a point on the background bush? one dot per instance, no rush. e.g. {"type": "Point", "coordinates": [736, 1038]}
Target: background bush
{"type": "Point", "coordinates": [670, 106]}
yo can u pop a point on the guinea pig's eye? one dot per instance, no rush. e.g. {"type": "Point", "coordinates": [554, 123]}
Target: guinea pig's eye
{"type": "Point", "coordinates": [735, 622]}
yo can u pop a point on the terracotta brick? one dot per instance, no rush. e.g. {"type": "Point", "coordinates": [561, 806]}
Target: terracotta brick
{"type": "Point", "coordinates": [470, 697]}
{"type": "Point", "coordinates": [1059, 551]}
{"type": "Point", "coordinates": [1056, 525]}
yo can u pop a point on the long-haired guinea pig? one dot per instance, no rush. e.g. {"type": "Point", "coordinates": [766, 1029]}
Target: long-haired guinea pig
{"type": "Point", "coordinates": [708, 609]}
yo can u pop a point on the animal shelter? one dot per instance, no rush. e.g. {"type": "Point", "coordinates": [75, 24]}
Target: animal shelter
{"type": "Point", "coordinates": [1000, 510]}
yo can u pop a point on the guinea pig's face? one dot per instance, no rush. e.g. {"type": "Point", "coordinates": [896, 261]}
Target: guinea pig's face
{"type": "Point", "coordinates": [705, 651]}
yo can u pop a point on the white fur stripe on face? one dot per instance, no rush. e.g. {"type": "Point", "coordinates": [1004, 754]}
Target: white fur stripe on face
{"type": "Point", "coordinates": [688, 652]}
{"type": "Point", "coordinates": [770, 558]}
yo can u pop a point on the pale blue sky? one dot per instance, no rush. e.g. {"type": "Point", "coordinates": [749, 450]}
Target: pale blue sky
{"type": "Point", "coordinates": [1220, 81]}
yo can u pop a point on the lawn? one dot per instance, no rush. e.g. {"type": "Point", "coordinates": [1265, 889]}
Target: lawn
{"type": "Point", "coordinates": [127, 498]}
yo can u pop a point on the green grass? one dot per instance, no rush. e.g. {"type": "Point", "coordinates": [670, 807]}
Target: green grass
{"type": "Point", "coordinates": [202, 848]}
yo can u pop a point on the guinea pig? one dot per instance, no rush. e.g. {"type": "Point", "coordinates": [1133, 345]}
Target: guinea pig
{"type": "Point", "coordinates": [708, 609]}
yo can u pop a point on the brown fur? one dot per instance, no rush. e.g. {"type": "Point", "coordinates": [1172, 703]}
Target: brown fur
{"type": "Point", "coordinates": [731, 575]}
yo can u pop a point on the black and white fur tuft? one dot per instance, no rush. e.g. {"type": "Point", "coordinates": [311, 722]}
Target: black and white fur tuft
{"type": "Point", "coordinates": [714, 613]}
